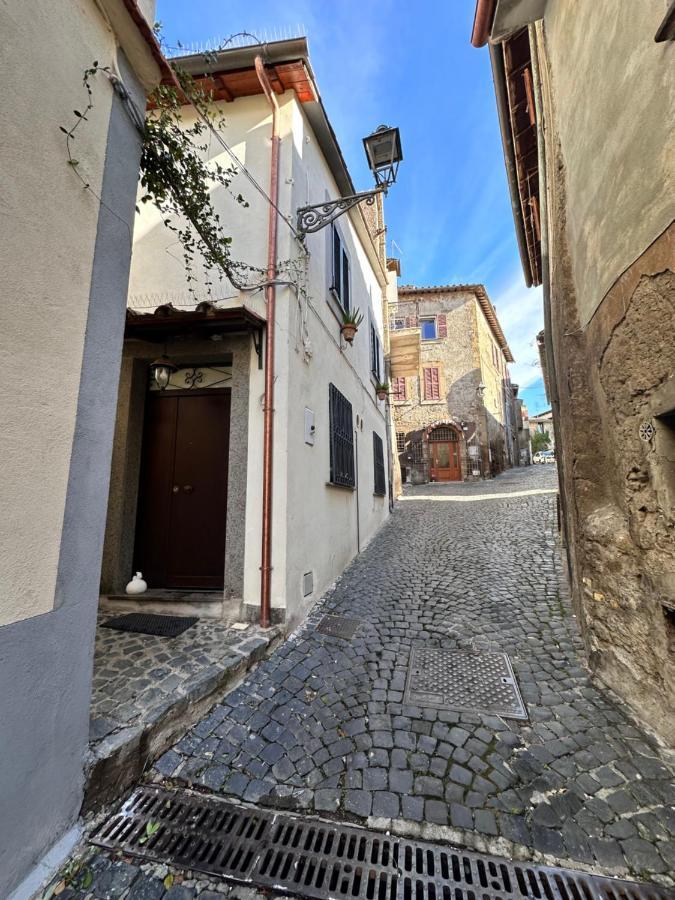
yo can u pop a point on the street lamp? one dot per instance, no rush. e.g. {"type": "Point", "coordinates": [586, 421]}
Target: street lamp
{"type": "Point", "coordinates": [161, 371]}
{"type": "Point", "coordinates": [383, 152]}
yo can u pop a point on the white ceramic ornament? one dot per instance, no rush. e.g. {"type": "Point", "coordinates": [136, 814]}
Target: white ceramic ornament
{"type": "Point", "coordinates": [137, 585]}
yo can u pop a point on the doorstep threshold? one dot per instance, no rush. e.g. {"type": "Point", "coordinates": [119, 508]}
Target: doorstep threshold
{"type": "Point", "coordinates": [331, 861]}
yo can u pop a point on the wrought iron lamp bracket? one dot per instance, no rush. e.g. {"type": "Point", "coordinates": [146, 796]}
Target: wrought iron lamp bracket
{"type": "Point", "coordinates": [314, 218]}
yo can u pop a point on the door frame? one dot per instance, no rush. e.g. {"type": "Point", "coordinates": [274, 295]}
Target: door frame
{"type": "Point", "coordinates": [165, 394]}
{"type": "Point", "coordinates": [458, 444]}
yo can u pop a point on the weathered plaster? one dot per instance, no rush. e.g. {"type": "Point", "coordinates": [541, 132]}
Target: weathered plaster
{"type": "Point", "coordinates": [616, 122]}
{"type": "Point", "coordinates": [611, 375]}
{"type": "Point", "coordinates": [80, 289]}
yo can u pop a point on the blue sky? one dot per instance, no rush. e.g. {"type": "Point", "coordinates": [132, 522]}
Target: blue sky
{"type": "Point", "coordinates": [408, 63]}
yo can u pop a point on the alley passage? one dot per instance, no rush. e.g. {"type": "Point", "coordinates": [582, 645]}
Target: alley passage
{"type": "Point", "coordinates": [321, 725]}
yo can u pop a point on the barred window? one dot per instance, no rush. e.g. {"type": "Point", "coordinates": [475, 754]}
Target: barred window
{"type": "Point", "coordinates": [417, 451]}
{"type": "Point", "coordinates": [400, 441]}
{"type": "Point", "coordinates": [341, 439]}
{"type": "Point", "coordinates": [398, 390]}
{"type": "Point", "coordinates": [444, 433]}
{"type": "Point", "coordinates": [378, 460]}
{"type": "Point", "coordinates": [374, 352]}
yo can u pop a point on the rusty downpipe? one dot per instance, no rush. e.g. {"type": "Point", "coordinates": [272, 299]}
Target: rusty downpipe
{"type": "Point", "coordinates": [482, 22]}
{"type": "Point", "coordinates": [270, 302]}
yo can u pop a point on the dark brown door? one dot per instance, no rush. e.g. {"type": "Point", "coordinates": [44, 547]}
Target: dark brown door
{"type": "Point", "coordinates": [445, 462]}
{"type": "Point", "coordinates": [182, 503]}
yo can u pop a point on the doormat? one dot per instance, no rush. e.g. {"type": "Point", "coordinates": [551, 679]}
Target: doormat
{"type": "Point", "coordinates": [472, 681]}
{"type": "Point", "coordinates": [146, 623]}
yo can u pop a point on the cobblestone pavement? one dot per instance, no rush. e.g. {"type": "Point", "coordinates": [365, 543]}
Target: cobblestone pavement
{"type": "Point", "coordinates": [321, 725]}
{"type": "Point", "coordinates": [137, 675]}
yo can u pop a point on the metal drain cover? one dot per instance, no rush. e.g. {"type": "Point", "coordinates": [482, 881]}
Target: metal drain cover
{"type": "Point", "coordinates": [470, 681]}
{"type": "Point", "coordinates": [319, 859]}
{"type": "Point", "coordinates": [338, 626]}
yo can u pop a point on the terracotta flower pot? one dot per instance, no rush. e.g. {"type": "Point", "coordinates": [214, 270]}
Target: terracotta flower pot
{"type": "Point", "coordinates": [381, 395]}
{"type": "Point", "coordinates": [349, 332]}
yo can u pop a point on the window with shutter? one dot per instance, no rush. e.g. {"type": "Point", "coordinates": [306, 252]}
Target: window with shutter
{"type": "Point", "coordinates": [374, 352]}
{"type": "Point", "coordinates": [378, 466]}
{"type": "Point", "coordinates": [341, 439]}
{"type": "Point", "coordinates": [432, 387]}
{"type": "Point", "coordinates": [428, 329]}
{"type": "Point", "coordinates": [442, 322]}
{"type": "Point", "coordinates": [340, 285]}
{"type": "Point", "coordinates": [398, 390]}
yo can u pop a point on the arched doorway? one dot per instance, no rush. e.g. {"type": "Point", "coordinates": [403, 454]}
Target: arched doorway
{"type": "Point", "coordinates": [445, 458]}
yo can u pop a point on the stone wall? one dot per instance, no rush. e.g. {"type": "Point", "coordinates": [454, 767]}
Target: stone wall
{"type": "Point", "coordinates": [617, 439]}
{"type": "Point", "coordinates": [460, 358]}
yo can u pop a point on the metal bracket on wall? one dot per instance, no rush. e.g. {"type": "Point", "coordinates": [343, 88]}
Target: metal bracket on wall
{"type": "Point", "coordinates": [314, 218]}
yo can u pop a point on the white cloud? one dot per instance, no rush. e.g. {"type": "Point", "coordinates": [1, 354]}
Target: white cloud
{"type": "Point", "coordinates": [521, 314]}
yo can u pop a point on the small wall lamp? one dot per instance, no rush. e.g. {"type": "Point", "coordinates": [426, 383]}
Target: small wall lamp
{"type": "Point", "coordinates": [161, 371]}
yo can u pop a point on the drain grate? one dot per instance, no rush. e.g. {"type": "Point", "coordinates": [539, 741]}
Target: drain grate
{"type": "Point", "coordinates": [328, 860]}
{"type": "Point", "coordinates": [338, 626]}
{"type": "Point", "coordinates": [471, 681]}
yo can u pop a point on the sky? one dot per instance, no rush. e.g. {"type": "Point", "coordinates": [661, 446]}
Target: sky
{"type": "Point", "coordinates": [408, 63]}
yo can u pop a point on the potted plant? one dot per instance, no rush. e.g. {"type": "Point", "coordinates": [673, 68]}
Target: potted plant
{"type": "Point", "coordinates": [350, 324]}
{"type": "Point", "coordinates": [382, 390]}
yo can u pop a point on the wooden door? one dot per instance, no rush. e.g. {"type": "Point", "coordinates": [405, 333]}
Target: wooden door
{"type": "Point", "coordinates": [182, 503]}
{"type": "Point", "coordinates": [445, 462]}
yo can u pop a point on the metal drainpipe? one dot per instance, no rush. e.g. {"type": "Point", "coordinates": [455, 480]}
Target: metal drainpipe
{"type": "Point", "coordinates": [270, 301]}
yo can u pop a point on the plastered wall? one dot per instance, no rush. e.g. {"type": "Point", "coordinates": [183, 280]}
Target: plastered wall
{"type": "Point", "coordinates": [65, 261]}
{"type": "Point", "coordinates": [615, 121]}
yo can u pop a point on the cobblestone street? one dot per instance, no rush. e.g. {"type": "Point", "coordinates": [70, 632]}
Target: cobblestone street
{"type": "Point", "coordinates": [321, 726]}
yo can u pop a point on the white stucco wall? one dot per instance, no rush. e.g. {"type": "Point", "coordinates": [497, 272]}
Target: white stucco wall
{"type": "Point", "coordinates": [615, 117]}
{"type": "Point", "coordinates": [46, 259]}
{"type": "Point", "coordinates": [314, 525]}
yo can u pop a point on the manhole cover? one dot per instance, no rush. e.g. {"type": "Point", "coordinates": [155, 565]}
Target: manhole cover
{"type": "Point", "coordinates": [470, 681]}
{"type": "Point", "coordinates": [318, 859]}
{"type": "Point", "coordinates": [338, 626]}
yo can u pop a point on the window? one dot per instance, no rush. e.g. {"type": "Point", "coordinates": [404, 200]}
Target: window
{"type": "Point", "coordinates": [399, 325]}
{"type": "Point", "coordinates": [442, 323]}
{"type": "Point", "coordinates": [378, 461]}
{"type": "Point", "coordinates": [374, 352]}
{"type": "Point", "coordinates": [398, 390]}
{"type": "Point", "coordinates": [400, 441]}
{"type": "Point", "coordinates": [341, 275]}
{"type": "Point", "coordinates": [341, 439]}
{"type": "Point", "coordinates": [431, 383]}
{"type": "Point", "coordinates": [428, 329]}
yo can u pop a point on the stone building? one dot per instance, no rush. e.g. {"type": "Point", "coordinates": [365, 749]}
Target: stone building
{"type": "Point", "coordinates": [454, 417]}
{"type": "Point", "coordinates": [542, 423]}
{"type": "Point", "coordinates": [585, 94]}
{"type": "Point", "coordinates": [523, 436]}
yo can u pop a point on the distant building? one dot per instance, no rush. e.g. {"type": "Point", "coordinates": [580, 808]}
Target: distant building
{"type": "Point", "coordinates": [523, 437]}
{"type": "Point", "coordinates": [543, 423]}
{"type": "Point", "coordinates": [453, 416]}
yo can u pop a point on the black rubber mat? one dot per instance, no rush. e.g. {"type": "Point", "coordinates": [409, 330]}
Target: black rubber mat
{"type": "Point", "coordinates": [146, 623]}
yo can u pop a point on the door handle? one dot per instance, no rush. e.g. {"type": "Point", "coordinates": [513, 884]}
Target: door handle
{"type": "Point", "coordinates": [188, 488]}
{"type": "Point", "coordinates": [175, 489]}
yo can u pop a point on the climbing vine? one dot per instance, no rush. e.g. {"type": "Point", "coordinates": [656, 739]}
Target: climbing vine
{"type": "Point", "coordinates": [174, 174]}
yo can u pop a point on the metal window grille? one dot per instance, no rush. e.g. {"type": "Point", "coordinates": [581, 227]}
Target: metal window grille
{"type": "Point", "coordinates": [417, 451]}
{"type": "Point", "coordinates": [444, 433]}
{"type": "Point", "coordinates": [400, 441]}
{"type": "Point", "coordinates": [378, 460]}
{"type": "Point", "coordinates": [398, 389]}
{"type": "Point", "coordinates": [342, 469]}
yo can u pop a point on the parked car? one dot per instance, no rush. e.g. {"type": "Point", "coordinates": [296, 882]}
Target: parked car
{"type": "Point", "coordinates": [544, 456]}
